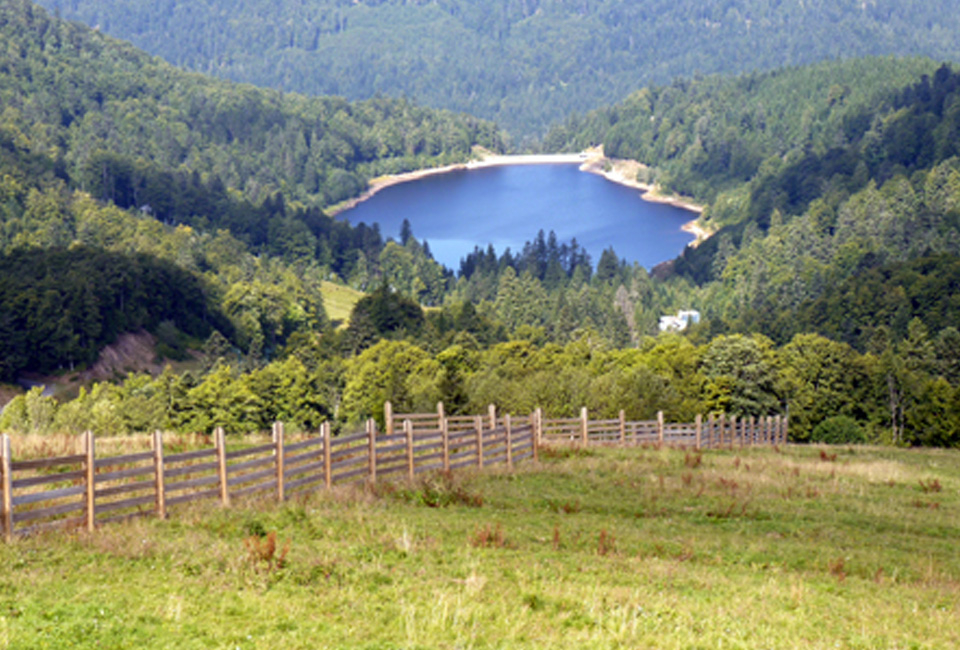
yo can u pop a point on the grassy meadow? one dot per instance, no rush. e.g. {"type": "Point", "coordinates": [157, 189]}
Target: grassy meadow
{"type": "Point", "coordinates": [338, 300]}
{"type": "Point", "coordinates": [607, 548]}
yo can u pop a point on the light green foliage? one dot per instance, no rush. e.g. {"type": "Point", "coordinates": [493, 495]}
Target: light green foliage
{"type": "Point", "coordinates": [821, 379]}
{"type": "Point", "coordinates": [390, 370]}
{"type": "Point", "coordinates": [741, 375]}
{"type": "Point", "coordinates": [288, 393]}
{"type": "Point", "coordinates": [223, 399]}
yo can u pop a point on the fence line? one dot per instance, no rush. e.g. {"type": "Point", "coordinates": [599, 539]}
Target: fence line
{"type": "Point", "coordinates": [86, 491]}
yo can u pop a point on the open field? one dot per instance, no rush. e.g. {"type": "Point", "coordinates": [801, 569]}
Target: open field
{"type": "Point", "coordinates": [339, 300]}
{"type": "Point", "coordinates": [634, 548]}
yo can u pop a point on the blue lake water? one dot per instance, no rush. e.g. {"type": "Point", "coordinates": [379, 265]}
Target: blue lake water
{"type": "Point", "coordinates": [506, 206]}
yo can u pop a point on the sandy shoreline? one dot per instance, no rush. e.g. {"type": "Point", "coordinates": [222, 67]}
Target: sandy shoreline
{"type": "Point", "coordinates": [622, 172]}
{"type": "Point", "coordinates": [625, 172]}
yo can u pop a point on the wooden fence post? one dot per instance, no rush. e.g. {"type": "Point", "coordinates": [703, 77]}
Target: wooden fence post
{"type": "Point", "coordinates": [699, 426]}
{"type": "Point", "coordinates": [623, 428]}
{"type": "Point", "coordinates": [752, 440]}
{"type": "Point", "coordinates": [220, 442]}
{"type": "Point", "coordinates": [440, 412]}
{"type": "Point", "coordinates": [445, 441]}
{"type": "Point", "coordinates": [325, 433]}
{"type": "Point", "coordinates": [479, 424]}
{"type": "Point", "coordinates": [733, 430]}
{"type": "Point", "coordinates": [158, 474]}
{"type": "Point", "coordinates": [535, 433]}
{"type": "Point", "coordinates": [538, 439]}
{"type": "Point", "coordinates": [723, 428]}
{"type": "Point", "coordinates": [278, 454]}
{"type": "Point", "coordinates": [372, 449]}
{"type": "Point", "coordinates": [508, 439]}
{"type": "Point", "coordinates": [388, 418]}
{"type": "Point", "coordinates": [778, 427]}
{"type": "Point", "coordinates": [91, 480]}
{"type": "Point", "coordinates": [786, 427]}
{"type": "Point", "coordinates": [6, 486]}
{"type": "Point", "coordinates": [660, 427]}
{"type": "Point", "coordinates": [584, 427]}
{"type": "Point", "coordinates": [492, 414]}
{"type": "Point", "coordinates": [408, 431]}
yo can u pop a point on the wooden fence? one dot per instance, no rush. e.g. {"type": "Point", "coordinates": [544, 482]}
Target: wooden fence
{"type": "Point", "coordinates": [85, 491]}
{"type": "Point", "coordinates": [711, 432]}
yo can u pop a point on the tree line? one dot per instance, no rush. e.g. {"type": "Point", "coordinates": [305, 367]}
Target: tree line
{"type": "Point", "coordinates": [832, 392]}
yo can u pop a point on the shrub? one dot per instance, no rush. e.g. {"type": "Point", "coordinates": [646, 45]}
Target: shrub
{"type": "Point", "coordinates": [838, 430]}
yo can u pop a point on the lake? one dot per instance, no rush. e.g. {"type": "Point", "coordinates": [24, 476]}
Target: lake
{"type": "Point", "coordinates": [507, 205]}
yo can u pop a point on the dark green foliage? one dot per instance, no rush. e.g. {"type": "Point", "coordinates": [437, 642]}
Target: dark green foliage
{"type": "Point", "coordinates": [59, 307]}
{"type": "Point", "coordinates": [838, 430]}
{"type": "Point", "coordinates": [886, 297]}
{"type": "Point", "coordinates": [524, 63]}
{"type": "Point", "coordinates": [182, 148]}
{"type": "Point", "coordinates": [385, 313]}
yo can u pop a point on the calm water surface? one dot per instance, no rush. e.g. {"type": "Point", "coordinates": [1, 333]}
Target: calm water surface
{"type": "Point", "coordinates": [506, 206]}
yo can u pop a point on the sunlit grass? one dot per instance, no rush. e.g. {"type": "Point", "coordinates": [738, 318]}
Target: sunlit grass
{"type": "Point", "coordinates": [338, 300]}
{"type": "Point", "coordinates": [639, 548]}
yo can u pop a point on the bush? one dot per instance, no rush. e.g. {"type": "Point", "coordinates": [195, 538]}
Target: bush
{"type": "Point", "coordinates": [838, 430]}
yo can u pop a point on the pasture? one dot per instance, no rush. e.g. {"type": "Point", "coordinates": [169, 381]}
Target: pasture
{"type": "Point", "coordinates": [646, 547]}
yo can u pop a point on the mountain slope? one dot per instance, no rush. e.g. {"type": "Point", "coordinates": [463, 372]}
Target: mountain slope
{"type": "Point", "coordinates": [525, 63]}
{"type": "Point", "coordinates": [75, 94]}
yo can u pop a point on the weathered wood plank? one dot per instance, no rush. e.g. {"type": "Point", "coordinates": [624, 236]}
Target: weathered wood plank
{"type": "Point", "coordinates": [125, 489]}
{"type": "Point", "coordinates": [132, 502]}
{"type": "Point", "coordinates": [251, 476]}
{"type": "Point", "coordinates": [128, 459]}
{"type": "Point", "coordinates": [212, 479]}
{"type": "Point", "coordinates": [122, 474]}
{"type": "Point", "coordinates": [51, 511]}
{"type": "Point", "coordinates": [191, 469]}
{"type": "Point", "coordinates": [48, 495]}
{"type": "Point", "coordinates": [194, 496]}
{"type": "Point", "coordinates": [46, 479]}
{"type": "Point", "coordinates": [240, 453]}
{"type": "Point", "coordinates": [187, 456]}
{"type": "Point", "coordinates": [44, 463]}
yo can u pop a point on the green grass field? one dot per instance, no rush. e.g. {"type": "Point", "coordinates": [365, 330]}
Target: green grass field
{"type": "Point", "coordinates": [637, 548]}
{"type": "Point", "coordinates": [339, 300]}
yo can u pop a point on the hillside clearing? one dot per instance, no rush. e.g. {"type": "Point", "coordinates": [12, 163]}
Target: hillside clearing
{"type": "Point", "coordinates": [339, 300]}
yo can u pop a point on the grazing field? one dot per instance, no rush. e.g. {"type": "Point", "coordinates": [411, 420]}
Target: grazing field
{"type": "Point", "coordinates": [607, 548]}
{"type": "Point", "coordinates": [339, 300]}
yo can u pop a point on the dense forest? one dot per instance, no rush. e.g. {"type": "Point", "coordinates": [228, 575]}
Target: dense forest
{"type": "Point", "coordinates": [134, 196]}
{"type": "Point", "coordinates": [104, 147]}
{"type": "Point", "coordinates": [524, 63]}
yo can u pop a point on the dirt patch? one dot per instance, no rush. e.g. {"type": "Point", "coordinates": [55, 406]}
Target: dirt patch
{"type": "Point", "coordinates": [131, 352]}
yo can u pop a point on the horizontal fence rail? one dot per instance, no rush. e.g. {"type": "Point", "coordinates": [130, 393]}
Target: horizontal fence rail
{"type": "Point", "coordinates": [86, 491]}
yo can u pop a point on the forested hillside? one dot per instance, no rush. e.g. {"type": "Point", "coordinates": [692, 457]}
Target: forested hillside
{"type": "Point", "coordinates": [105, 148]}
{"type": "Point", "coordinates": [524, 63]}
{"type": "Point", "coordinates": [118, 122]}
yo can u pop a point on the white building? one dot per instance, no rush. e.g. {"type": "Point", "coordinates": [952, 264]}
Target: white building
{"type": "Point", "coordinates": [679, 322]}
